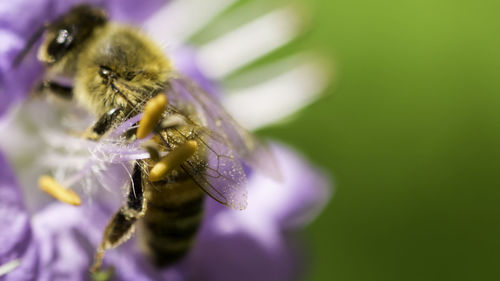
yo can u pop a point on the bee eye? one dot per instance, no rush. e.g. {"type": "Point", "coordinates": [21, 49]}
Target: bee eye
{"type": "Point", "coordinates": [105, 72]}
{"type": "Point", "coordinates": [63, 37]}
{"type": "Point", "coordinates": [59, 46]}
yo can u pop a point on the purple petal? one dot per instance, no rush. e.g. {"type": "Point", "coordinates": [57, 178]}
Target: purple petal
{"type": "Point", "coordinates": [29, 268]}
{"type": "Point", "coordinates": [15, 236]}
{"type": "Point", "coordinates": [239, 256]}
{"type": "Point", "coordinates": [68, 237]}
{"type": "Point", "coordinates": [185, 62]}
{"type": "Point", "coordinates": [133, 10]}
{"type": "Point", "coordinates": [14, 83]}
{"type": "Point", "coordinates": [302, 194]}
{"type": "Point", "coordinates": [32, 14]}
{"type": "Point", "coordinates": [122, 128]}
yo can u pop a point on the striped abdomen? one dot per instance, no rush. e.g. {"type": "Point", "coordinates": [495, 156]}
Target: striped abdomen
{"type": "Point", "coordinates": [173, 216]}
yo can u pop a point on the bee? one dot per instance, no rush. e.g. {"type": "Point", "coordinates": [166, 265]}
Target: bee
{"type": "Point", "coordinates": [117, 71]}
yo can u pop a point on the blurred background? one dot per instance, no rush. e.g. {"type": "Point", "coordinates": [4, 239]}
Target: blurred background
{"type": "Point", "coordinates": [410, 133]}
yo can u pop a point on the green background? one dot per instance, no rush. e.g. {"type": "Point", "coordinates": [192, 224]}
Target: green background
{"type": "Point", "coordinates": [409, 132]}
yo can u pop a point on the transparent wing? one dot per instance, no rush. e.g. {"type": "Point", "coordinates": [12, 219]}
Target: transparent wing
{"type": "Point", "coordinates": [253, 152]}
{"type": "Point", "coordinates": [216, 169]}
{"type": "Point", "coordinates": [227, 146]}
{"type": "Point", "coordinates": [223, 177]}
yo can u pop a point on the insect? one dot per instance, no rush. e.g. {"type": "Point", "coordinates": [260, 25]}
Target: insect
{"type": "Point", "coordinates": [117, 72]}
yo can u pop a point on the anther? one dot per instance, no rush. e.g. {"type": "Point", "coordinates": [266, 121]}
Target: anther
{"type": "Point", "coordinates": [173, 160]}
{"type": "Point", "coordinates": [50, 186]}
{"type": "Point", "coordinates": [152, 114]}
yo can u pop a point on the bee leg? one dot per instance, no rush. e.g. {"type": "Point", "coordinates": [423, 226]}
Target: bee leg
{"type": "Point", "coordinates": [103, 124]}
{"type": "Point", "coordinates": [121, 226]}
{"type": "Point", "coordinates": [56, 89]}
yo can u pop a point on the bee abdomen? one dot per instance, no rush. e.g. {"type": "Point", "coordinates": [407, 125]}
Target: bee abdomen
{"type": "Point", "coordinates": [173, 216]}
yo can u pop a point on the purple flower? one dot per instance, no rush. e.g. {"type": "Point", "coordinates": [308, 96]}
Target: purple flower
{"type": "Point", "coordinates": [42, 240]}
{"type": "Point", "coordinates": [251, 245]}
{"type": "Point", "coordinates": [14, 219]}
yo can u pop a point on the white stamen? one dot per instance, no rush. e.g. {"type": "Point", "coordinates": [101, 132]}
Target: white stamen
{"type": "Point", "coordinates": [77, 160]}
{"type": "Point", "coordinates": [245, 44]}
{"type": "Point", "coordinates": [9, 267]}
{"type": "Point", "coordinates": [122, 128]}
{"type": "Point", "coordinates": [279, 97]}
{"type": "Point", "coordinates": [177, 21]}
{"type": "Point", "coordinates": [78, 176]}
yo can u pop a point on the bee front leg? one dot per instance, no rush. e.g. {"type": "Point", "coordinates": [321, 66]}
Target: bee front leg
{"type": "Point", "coordinates": [121, 226]}
{"type": "Point", "coordinates": [103, 124]}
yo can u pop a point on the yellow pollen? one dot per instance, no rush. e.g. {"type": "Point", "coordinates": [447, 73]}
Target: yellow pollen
{"type": "Point", "coordinates": [172, 160]}
{"type": "Point", "coordinates": [152, 114]}
{"type": "Point", "coordinates": [50, 186]}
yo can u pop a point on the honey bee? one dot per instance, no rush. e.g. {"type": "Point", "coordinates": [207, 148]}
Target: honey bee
{"type": "Point", "coordinates": [117, 72]}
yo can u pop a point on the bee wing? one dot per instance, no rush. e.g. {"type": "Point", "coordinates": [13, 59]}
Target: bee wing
{"type": "Point", "coordinates": [252, 151]}
{"type": "Point", "coordinates": [223, 177]}
{"type": "Point", "coordinates": [227, 145]}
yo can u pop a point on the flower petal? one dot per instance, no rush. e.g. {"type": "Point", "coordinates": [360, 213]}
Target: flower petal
{"type": "Point", "coordinates": [68, 237]}
{"type": "Point", "coordinates": [184, 59]}
{"type": "Point", "coordinates": [301, 84]}
{"type": "Point", "coordinates": [15, 237]}
{"type": "Point", "coordinates": [133, 10]}
{"type": "Point", "coordinates": [232, 51]}
{"type": "Point", "coordinates": [183, 19]}
{"type": "Point", "coordinates": [239, 256]}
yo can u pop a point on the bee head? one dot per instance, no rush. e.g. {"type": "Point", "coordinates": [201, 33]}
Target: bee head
{"type": "Point", "coordinates": [122, 67]}
{"type": "Point", "coordinates": [68, 34]}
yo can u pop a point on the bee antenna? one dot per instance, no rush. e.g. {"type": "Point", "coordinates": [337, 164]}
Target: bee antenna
{"type": "Point", "coordinates": [31, 41]}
